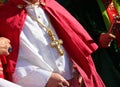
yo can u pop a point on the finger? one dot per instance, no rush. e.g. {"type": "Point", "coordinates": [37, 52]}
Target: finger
{"type": "Point", "coordinates": [80, 79]}
{"type": "Point", "coordinates": [112, 36]}
{"type": "Point", "coordinates": [65, 83]}
{"type": "Point", "coordinates": [60, 85]}
{"type": "Point", "coordinates": [7, 40]}
{"type": "Point", "coordinates": [110, 43]}
{"type": "Point", "coordinates": [4, 39]}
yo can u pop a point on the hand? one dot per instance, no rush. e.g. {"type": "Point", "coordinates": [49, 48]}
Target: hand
{"type": "Point", "coordinates": [4, 46]}
{"type": "Point", "coordinates": [80, 81]}
{"type": "Point", "coordinates": [77, 81]}
{"type": "Point", "coordinates": [56, 80]}
{"type": "Point", "coordinates": [105, 40]}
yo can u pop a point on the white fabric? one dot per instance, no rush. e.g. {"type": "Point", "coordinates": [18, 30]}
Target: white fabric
{"type": "Point", "coordinates": [37, 60]}
{"type": "Point", "coordinates": [5, 83]}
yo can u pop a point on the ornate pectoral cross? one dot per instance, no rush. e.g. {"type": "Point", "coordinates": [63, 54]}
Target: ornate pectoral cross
{"type": "Point", "coordinates": [55, 42]}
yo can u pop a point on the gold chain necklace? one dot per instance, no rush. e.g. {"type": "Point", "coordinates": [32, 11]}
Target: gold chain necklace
{"type": "Point", "coordinates": [55, 43]}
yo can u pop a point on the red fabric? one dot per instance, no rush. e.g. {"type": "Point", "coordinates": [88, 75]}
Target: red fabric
{"type": "Point", "coordinates": [1, 70]}
{"type": "Point", "coordinates": [117, 33]}
{"type": "Point", "coordinates": [110, 8]}
{"type": "Point", "coordinates": [73, 82]}
{"type": "Point", "coordinates": [112, 12]}
{"type": "Point", "coordinates": [76, 40]}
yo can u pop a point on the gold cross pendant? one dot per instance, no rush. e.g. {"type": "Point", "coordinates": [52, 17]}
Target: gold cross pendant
{"type": "Point", "coordinates": [55, 42]}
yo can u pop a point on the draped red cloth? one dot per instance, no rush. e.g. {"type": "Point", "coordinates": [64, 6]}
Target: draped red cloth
{"type": "Point", "coordinates": [76, 40]}
{"type": "Point", "coordinates": [1, 70]}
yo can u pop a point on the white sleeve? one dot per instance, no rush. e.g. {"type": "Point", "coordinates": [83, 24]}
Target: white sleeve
{"type": "Point", "coordinates": [5, 83]}
{"type": "Point", "coordinates": [28, 75]}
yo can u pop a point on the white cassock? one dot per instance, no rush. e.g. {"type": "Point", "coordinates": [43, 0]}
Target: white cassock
{"type": "Point", "coordinates": [36, 59]}
{"type": "Point", "coordinates": [5, 83]}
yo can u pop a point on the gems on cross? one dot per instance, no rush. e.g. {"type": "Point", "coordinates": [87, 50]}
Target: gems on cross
{"type": "Point", "coordinates": [55, 42]}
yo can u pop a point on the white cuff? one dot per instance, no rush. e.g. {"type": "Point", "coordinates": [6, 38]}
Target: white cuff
{"type": "Point", "coordinates": [5, 83]}
{"type": "Point", "coordinates": [31, 76]}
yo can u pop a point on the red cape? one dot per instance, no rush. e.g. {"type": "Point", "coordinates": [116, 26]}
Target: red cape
{"type": "Point", "coordinates": [76, 40]}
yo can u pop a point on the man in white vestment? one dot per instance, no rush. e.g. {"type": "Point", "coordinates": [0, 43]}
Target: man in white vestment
{"type": "Point", "coordinates": [35, 55]}
{"type": "Point", "coordinates": [50, 48]}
